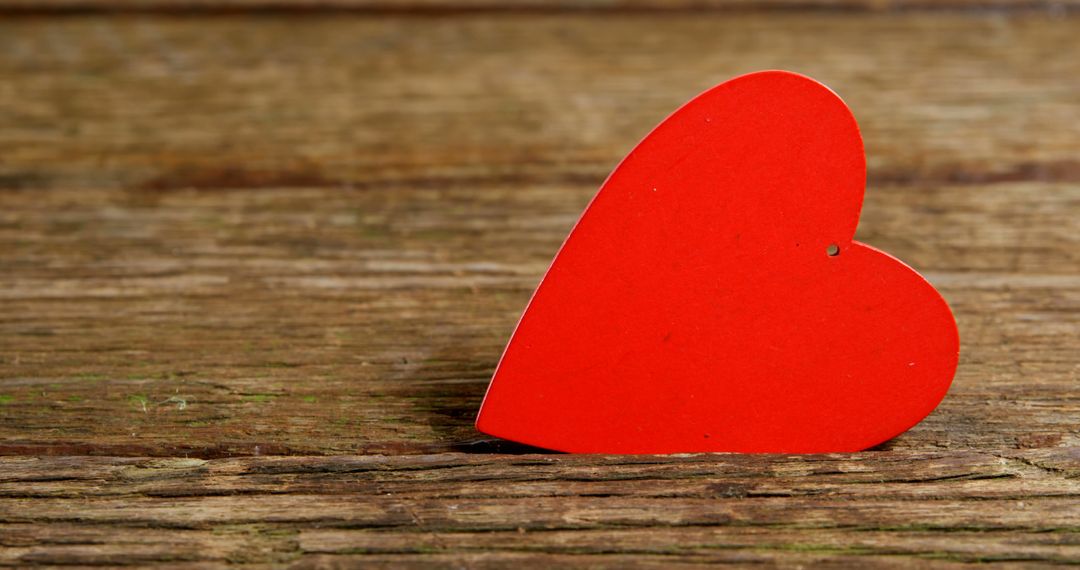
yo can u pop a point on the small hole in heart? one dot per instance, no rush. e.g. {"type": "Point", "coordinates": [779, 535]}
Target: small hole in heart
{"type": "Point", "coordinates": [833, 250]}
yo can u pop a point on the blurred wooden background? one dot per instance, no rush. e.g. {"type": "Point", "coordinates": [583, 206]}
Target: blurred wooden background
{"type": "Point", "coordinates": [304, 229]}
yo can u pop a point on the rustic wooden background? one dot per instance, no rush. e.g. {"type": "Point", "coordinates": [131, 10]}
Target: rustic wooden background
{"type": "Point", "coordinates": [258, 260]}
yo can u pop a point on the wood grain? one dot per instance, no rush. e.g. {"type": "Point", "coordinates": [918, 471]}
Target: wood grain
{"type": "Point", "coordinates": [329, 321]}
{"type": "Point", "coordinates": [233, 235]}
{"type": "Point", "coordinates": [881, 509]}
{"type": "Point", "coordinates": [471, 7]}
{"type": "Point", "coordinates": [407, 102]}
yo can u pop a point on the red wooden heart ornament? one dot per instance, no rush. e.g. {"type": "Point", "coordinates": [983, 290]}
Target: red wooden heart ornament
{"type": "Point", "coordinates": [711, 297]}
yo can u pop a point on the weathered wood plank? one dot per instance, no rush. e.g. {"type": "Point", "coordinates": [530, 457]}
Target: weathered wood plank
{"type": "Point", "coordinates": [410, 194]}
{"type": "Point", "coordinates": [390, 102]}
{"type": "Point", "coordinates": [444, 7]}
{"type": "Point", "coordinates": [215, 242]}
{"type": "Point", "coordinates": [882, 509]}
{"type": "Point", "coordinates": [329, 321]}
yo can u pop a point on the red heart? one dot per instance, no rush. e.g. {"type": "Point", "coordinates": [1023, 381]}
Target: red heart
{"type": "Point", "coordinates": [698, 304]}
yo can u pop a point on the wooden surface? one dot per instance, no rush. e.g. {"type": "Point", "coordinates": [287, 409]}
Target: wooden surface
{"type": "Point", "coordinates": [225, 236]}
{"type": "Point", "coordinates": [443, 7]}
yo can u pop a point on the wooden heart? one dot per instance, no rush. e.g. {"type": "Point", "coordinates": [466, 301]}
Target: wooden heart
{"type": "Point", "coordinates": [711, 297]}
